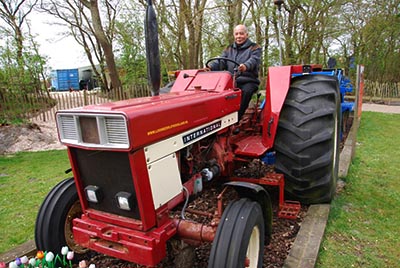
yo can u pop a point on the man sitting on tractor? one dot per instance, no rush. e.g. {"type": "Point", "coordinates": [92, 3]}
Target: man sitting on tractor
{"type": "Point", "coordinates": [247, 55]}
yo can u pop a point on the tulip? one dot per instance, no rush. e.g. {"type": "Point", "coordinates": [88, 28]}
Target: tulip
{"type": "Point", "coordinates": [64, 250]}
{"type": "Point", "coordinates": [32, 262]}
{"type": "Point", "coordinates": [49, 256]}
{"type": "Point", "coordinates": [70, 255]}
{"type": "Point", "coordinates": [3, 265]}
{"type": "Point", "coordinates": [82, 264]}
{"type": "Point", "coordinates": [92, 266]}
{"type": "Point", "coordinates": [40, 255]}
{"type": "Point", "coordinates": [12, 265]}
{"type": "Point", "coordinates": [18, 261]}
{"type": "Point", "coordinates": [24, 260]}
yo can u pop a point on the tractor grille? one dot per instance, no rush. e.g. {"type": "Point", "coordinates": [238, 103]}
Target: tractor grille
{"type": "Point", "coordinates": [116, 130]}
{"type": "Point", "coordinates": [110, 171]}
{"type": "Point", "coordinates": [68, 128]}
{"type": "Point", "coordinates": [93, 130]}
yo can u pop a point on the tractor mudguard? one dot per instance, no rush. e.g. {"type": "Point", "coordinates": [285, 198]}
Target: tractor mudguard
{"type": "Point", "coordinates": [278, 83]}
{"type": "Point", "coordinates": [256, 193]}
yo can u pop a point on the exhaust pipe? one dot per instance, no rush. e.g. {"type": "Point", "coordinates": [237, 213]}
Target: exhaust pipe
{"type": "Point", "coordinates": [279, 3]}
{"type": "Point", "coordinates": [152, 50]}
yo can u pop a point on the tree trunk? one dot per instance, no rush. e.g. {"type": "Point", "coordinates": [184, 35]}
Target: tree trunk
{"type": "Point", "coordinates": [106, 45]}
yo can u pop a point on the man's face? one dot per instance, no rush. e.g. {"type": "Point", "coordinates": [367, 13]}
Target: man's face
{"type": "Point", "coordinates": [240, 35]}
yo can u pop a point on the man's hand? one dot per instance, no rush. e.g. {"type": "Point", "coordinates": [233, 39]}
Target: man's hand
{"type": "Point", "coordinates": [242, 68]}
{"type": "Point", "coordinates": [206, 68]}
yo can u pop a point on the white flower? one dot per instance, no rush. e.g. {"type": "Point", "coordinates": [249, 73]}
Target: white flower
{"type": "Point", "coordinates": [24, 259]}
{"type": "Point", "coordinates": [92, 266]}
{"type": "Point", "coordinates": [32, 261]}
{"type": "Point", "coordinates": [70, 255]}
{"type": "Point", "coordinates": [64, 250]}
{"type": "Point", "coordinates": [12, 265]}
{"type": "Point", "coordinates": [49, 256]}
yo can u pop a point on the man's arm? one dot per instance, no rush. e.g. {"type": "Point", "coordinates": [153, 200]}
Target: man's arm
{"type": "Point", "coordinates": [255, 58]}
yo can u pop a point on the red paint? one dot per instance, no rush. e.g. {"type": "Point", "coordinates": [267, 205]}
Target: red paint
{"type": "Point", "coordinates": [146, 248]}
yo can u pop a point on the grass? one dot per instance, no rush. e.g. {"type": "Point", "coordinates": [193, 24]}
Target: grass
{"type": "Point", "coordinates": [363, 226]}
{"type": "Point", "coordinates": [25, 179]}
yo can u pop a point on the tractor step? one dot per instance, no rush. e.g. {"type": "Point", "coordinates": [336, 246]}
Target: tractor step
{"type": "Point", "coordinates": [289, 210]}
{"type": "Point", "coordinates": [250, 146]}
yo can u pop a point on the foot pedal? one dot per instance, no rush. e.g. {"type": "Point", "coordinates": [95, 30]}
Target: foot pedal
{"type": "Point", "coordinates": [289, 210]}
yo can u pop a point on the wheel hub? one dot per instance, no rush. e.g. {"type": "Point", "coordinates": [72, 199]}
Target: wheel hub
{"type": "Point", "coordinates": [74, 212]}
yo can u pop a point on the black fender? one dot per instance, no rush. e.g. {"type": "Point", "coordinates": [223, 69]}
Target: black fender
{"type": "Point", "coordinates": [256, 193]}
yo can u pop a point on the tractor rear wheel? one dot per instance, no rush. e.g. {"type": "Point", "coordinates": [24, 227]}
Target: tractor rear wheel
{"type": "Point", "coordinates": [307, 139]}
{"type": "Point", "coordinates": [53, 228]}
{"type": "Point", "coordinates": [239, 241]}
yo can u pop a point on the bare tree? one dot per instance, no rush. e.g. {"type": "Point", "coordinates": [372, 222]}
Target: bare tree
{"type": "Point", "coordinates": [14, 13]}
{"type": "Point", "coordinates": [72, 15]}
{"type": "Point", "coordinates": [89, 32]}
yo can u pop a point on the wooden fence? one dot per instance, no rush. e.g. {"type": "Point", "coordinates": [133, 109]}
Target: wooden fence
{"type": "Point", "coordinates": [381, 90]}
{"type": "Point", "coordinates": [43, 108]}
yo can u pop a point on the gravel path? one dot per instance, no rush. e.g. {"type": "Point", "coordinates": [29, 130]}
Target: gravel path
{"type": "Point", "coordinates": [372, 107]}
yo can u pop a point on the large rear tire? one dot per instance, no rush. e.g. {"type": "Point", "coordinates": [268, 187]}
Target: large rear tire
{"type": "Point", "coordinates": [53, 228]}
{"type": "Point", "coordinates": [307, 139]}
{"type": "Point", "coordinates": [239, 241]}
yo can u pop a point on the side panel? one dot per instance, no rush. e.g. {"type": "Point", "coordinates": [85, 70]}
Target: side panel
{"type": "Point", "coordinates": [165, 179]}
{"type": "Point", "coordinates": [277, 88]}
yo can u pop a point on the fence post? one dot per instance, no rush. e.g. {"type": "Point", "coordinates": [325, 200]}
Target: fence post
{"type": "Point", "coordinates": [359, 93]}
{"type": "Point", "coordinates": [85, 102]}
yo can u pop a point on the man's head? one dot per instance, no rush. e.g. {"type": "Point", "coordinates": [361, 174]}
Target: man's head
{"type": "Point", "coordinates": [240, 34]}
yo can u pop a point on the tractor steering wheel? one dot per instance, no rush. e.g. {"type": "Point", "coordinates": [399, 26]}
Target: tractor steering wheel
{"type": "Point", "coordinates": [220, 60]}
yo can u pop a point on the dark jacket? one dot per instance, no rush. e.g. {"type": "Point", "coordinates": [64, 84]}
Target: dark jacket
{"type": "Point", "coordinates": [249, 54]}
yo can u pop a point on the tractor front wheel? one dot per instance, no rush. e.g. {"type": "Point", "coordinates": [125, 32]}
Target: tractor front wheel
{"type": "Point", "coordinates": [53, 228]}
{"type": "Point", "coordinates": [307, 139]}
{"type": "Point", "coordinates": [239, 241]}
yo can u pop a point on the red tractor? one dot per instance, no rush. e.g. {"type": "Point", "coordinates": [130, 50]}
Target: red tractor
{"type": "Point", "coordinates": [137, 163]}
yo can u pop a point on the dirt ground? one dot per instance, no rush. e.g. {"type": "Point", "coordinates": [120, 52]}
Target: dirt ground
{"type": "Point", "coordinates": [42, 136]}
{"type": "Point", "coordinates": [39, 136]}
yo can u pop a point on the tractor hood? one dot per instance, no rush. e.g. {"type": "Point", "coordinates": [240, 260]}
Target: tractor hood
{"type": "Point", "coordinates": [138, 122]}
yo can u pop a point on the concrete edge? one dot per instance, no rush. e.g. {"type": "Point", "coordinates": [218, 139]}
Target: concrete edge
{"type": "Point", "coordinates": [26, 249]}
{"type": "Point", "coordinates": [348, 151]}
{"type": "Point", "coordinates": [305, 249]}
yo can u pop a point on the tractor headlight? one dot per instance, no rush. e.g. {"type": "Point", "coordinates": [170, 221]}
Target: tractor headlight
{"type": "Point", "coordinates": [93, 193]}
{"type": "Point", "coordinates": [124, 200]}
